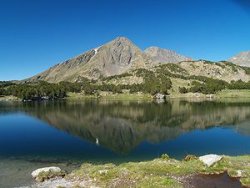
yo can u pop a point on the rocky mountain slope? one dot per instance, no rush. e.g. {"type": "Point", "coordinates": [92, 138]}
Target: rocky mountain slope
{"type": "Point", "coordinates": [242, 59]}
{"type": "Point", "coordinates": [221, 70]}
{"type": "Point", "coordinates": [113, 58]}
{"type": "Point", "coordinates": [123, 56]}
{"type": "Point", "coordinates": [165, 56]}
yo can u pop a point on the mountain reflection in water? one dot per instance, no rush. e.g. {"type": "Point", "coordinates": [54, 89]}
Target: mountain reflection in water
{"type": "Point", "coordinates": [121, 126]}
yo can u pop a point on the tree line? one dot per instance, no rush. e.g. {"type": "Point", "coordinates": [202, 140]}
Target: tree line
{"type": "Point", "coordinates": [154, 82]}
{"type": "Point", "coordinates": [39, 90]}
{"type": "Point", "coordinates": [211, 86]}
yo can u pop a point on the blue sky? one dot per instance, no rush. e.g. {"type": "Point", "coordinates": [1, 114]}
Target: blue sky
{"type": "Point", "coordinates": [36, 34]}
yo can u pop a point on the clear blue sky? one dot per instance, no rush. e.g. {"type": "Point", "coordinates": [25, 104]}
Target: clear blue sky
{"type": "Point", "coordinates": [36, 34]}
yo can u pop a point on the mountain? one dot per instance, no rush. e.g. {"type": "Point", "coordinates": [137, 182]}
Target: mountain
{"type": "Point", "coordinates": [122, 56]}
{"type": "Point", "coordinates": [165, 56]}
{"type": "Point", "coordinates": [113, 58]}
{"type": "Point", "coordinates": [242, 59]}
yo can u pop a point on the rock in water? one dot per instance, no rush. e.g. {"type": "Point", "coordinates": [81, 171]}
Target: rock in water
{"type": "Point", "coordinates": [159, 96]}
{"type": "Point", "coordinates": [42, 174]}
{"type": "Point", "coordinates": [210, 159]}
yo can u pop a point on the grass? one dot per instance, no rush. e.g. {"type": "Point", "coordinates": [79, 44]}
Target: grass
{"type": "Point", "coordinates": [128, 96]}
{"type": "Point", "coordinates": [174, 93]}
{"type": "Point", "coordinates": [110, 96]}
{"type": "Point", "coordinates": [162, 172]}
{"type": "Point", "coordinates": [234, 94]}
{"type": "Point", "coordinates": [176, 83]}
{"type": "Point", "coordinates": [9, 98]}
{"type": "Point", "coordinates": [77, 96]}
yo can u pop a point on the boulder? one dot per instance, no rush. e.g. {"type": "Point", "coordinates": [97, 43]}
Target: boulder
{"type": "Point", "coordinates": [239, 173]}
{"type": "Point", "coordinates": [46, 173]}
{"type": "Point", "coordinates": [190, 158]}
{"type": "Point", "coordinates": [210, 159]}
{"type": "Point", "coordinates": [159, 96]}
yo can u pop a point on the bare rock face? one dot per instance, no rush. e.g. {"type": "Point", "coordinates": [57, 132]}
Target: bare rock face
{"type": "Point", "coordinates": [113, 58]}
{"type": "Point", "coordinates": [210, 159]}
{"type": "Point", "coordinates": [46, 173]}
{"type": "Point", "coordinates": [242, 59]}
{"type": "Point", "coordinates": [121, 55]}
{"type": "Point", "coordinates": [165, 56]}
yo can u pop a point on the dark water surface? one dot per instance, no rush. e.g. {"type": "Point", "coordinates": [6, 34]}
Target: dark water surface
{"type": "Point", "coordinates": [213, 181]}
{"type": "Point", "coordinates": [68, 133]}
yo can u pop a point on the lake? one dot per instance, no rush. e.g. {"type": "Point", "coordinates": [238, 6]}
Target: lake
{"type": "Point", "coordinates": [67, 133]}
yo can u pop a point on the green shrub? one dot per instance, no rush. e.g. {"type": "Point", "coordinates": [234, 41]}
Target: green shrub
{"type": "Point", "coordinates": [165, 157]}
{"type": "Point", "coordinates": [190, 158]}
{"type": "Point", "coordinates": [183, 90]}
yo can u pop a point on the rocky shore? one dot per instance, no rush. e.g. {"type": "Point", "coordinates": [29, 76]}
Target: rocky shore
{"type": "Point", "coordinates": [192, 171]}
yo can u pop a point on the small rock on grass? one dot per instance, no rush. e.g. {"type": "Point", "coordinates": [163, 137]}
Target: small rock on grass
{"type": "Point", "coordinates": [190, 158]}
{"type": "Point", "coordinates": [46, 173]}
{"type": "Point", "coordinates": [210, 159]}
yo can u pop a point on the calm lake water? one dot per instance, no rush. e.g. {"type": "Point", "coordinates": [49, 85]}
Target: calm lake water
{"type": "Point", "coordinates": [65, 134]}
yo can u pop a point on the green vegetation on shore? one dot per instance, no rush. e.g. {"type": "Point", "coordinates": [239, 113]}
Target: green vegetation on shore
{"type": "Point", "coordinates": [110, 96]}
{"type": "Point", "coordinates": [168, 79]}
{"type": "Point", "coordinates": [242, 93]}
{"type": "Point", "coordinates": [162, 172]}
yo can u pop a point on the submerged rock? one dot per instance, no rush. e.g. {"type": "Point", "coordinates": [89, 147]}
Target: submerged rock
{"type": "Point", "coordinates": [46, 173]}
{"type": "Point", "coordinates": [210, 159]}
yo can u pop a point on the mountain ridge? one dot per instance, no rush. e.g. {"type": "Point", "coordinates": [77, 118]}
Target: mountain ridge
{"type": "Point", "coordinates": [161, 55]}
{"type": "Point", "coordinates": [121, 56]}
{"type": "Point", "coordinates": [112, 58]}
{"type": "Point", "coordinates": [242, 59]}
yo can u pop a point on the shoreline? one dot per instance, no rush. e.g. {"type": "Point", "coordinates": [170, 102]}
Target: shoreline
{"type": "Point", "coordinates": [160, 172]}
{"type": "Point", "coordinates": [222, 95]}
{"type": "Point", "coordinates": [9, 99]}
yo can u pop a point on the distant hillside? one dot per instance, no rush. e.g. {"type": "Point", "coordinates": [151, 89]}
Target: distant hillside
{"type": "Point", "coordinates": [217, 70]}
{"type": "Point", "coordinates": [192, 78]}
{"type": "Point", "coordinates": [196, 76]}
{"type": "Point", "coordinates": [165, 56]}
{"type": "Point", "coordinates": [242, 59]}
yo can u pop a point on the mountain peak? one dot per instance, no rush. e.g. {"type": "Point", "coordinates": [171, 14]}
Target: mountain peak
{"type": "Point", "coordinates": [121, 41]}
{"type": "Point", "coordinates": [121, 38]}
{"type": "Point", "coordinates": [164, 55]}
{"type": "Point", "coordinates": [243, 59]}
{"type": "Point", "coordinates": [113, 58]}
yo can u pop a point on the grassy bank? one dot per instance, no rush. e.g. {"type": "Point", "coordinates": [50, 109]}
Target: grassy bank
{"type": "Point", "coordinates": [224, 94]}
{"type": "Point", "coordinates": [234, 94]}
{"type": "Point", "coordinates": [9, 98]}
{"type": "Point", "coordinates": [162, 172]}
{"type": "Point", "coordinates": [173, 95]}
{"type": "Point", "coordinates": [110, 96]}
